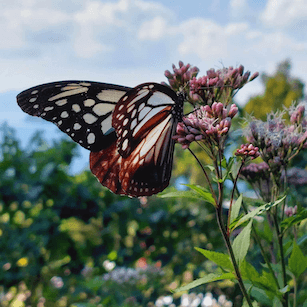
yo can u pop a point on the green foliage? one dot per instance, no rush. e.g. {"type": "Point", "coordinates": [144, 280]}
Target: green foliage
{"type": "Point", "coordinates": [280, 89]}
{"type": "Point", "coordinates": [297, 261]}
{"type": "Point", "coordinates": [54, 224]}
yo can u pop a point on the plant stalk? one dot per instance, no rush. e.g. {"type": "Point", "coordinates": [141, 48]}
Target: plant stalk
{"type": "Point", "coordinates": [231, 254]}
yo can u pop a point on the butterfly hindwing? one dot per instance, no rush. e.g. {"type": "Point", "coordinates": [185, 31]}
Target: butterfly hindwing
{"type": "Point", "coordinates": [140, 110]}
{"type": "Point", "coordinates": [145, 119]}
{"type": "Point", "coordinates": [81, 109]}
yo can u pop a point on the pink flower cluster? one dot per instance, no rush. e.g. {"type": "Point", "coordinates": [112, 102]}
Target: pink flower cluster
{"type": "Point", "coordinates": [181, 76]}
{"type": "Point", "coordinates": [206, 124]}
{"type": "Point", "coordinates": [248, 151]}
{"type": "Point", "coordinates": [220, 83]}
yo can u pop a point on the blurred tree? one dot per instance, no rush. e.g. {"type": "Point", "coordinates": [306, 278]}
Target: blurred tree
{"type": "Point", "coordinates": [280, 90]}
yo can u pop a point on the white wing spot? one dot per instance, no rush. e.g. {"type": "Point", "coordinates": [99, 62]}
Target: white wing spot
{"type": "Point", "coordinates": [67, 130]}
{"type": "Point", "coordinates": [85, 84]}
{"type": "Point", "coordinates": [61, 102]}
{"type": "Point", "coordinates": [54, 118]}
{"type": "Point", "coordinates": [159, 98]}
{"type": "Point", "coordinates": [64, 114]}
{"type": "Point", "coordinates": [106, 125]}
{"type": "Point", "coordinates": [34, 92]}
{"type": "Point", "coordinates": [120, 117]}
{"type": "Point", "coordinates": [110, 95]}
{"type": "Point", "coordinates": [91, 138]}
{"type": "Point", "coordinates": [125, 144]}
{"type": "Point", "coordinates": [121, 106]}
{"type": "Point", "coordinates": [72, 134]}
{"type": "Point", "coordinates": [89, 118]}
{"type": "Point", "coordinates": [89, 102]}
{"type": "Point", "coordinates": [76, 108]}
{"type": "Point", "coordinates": [125, 121]}
{"type": "Point", "coordinates": [125, 133]}
{"type": "Point", "coordinates": [133, 113]}
{"type": "Point", "coordinates": [77, 126]}
{"type": "Point", "coordinates": [142, 105]}
{"type": "Point", "coordinates": [133, 123]}
{"type": "Point", "coordinates": [143, 113]}
{"type": "Point", "coordinates": [103, 108]}
{"type": "Point", "coordinates": [48, 109]}
{"type": "Point", "coordinates": [151, 86]}
{"type": "Point", "coordinates": [60, 122]}
{"type": "Point", "coordinates": [35, 106]}
{"type": "Point", "coordinates": [33, 99]}
{"type": "Point", "coordinates": [43, 114]}
{"type": "Point", "coordinates": [71, 92]}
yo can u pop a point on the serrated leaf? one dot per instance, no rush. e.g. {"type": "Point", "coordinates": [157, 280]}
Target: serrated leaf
{"type": "Point", "coordinates": [257, 211]}
{"type": "Point", "coordinates": [241, 243]}
{"type": "Point", "coordinates": [236, 208]}
{"type": "Point", "coordinates": [297, 261]}
{"type": "Point", "coordinates": [204, 193]}
{"type": "Point", "coordinates": [204, 280]}
{"type": "Point", "coordinates": [220, 259]}
{"type": "Point", "coordinates": [293, 220]}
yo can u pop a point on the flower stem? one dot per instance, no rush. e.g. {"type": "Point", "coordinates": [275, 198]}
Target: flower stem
{"type": "Point", "coordinates": [282, 258]}
{"type": "Point", "coordinates": [231, 254]}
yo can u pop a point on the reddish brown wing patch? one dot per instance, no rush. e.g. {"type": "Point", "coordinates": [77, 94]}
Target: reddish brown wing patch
{"type": "Point", "coordinates": [105, 165]}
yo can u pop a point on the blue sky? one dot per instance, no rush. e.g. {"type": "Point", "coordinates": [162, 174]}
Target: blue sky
{"type": "Point", "coordinates": [129, 42]}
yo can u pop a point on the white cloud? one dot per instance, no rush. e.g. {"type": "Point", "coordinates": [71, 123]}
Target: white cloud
{"type": "Point", "coordinates": [153, 29]}
{"type": "Point", "coordinates": [282, 13]}
{"type": "Point", "coordinates": [237, 4]}
{"type": "Point", "coordinates": [110, 40]}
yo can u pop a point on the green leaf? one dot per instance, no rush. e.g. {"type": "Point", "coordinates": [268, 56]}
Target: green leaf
{"type": "Point", "coordinates": [204, 193]}
{"type": "Point", "coordinates": [297, 261]}
{"type": "Point", "coordinates": [204, 280]}
{"type": "Point", "coordinates": [236, 209]}
{"type": "Point", "coordinates": [182, 194]}
{"type": "Point", "coordinates": [241, 243]}
{"type": "Point", "coordinates": [220, 259]}
{"type": "Point", "coordinates": [255, 212]}
{"type": "Point", "coordinates": [295, 219]}
{"type": "Point", "coordinates": [248, 271]}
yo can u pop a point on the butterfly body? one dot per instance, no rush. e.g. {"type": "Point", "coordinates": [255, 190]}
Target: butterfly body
{"type": "Point", "coordinates": [128, 130]}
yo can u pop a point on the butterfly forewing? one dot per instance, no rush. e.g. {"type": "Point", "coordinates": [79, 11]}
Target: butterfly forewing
{"type": "Point", "coordinates": [81, 109]}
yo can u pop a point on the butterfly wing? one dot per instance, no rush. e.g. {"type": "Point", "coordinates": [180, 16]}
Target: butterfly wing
{"type": "Point", "coordinates": [81, 109]}
{"type": "Point", "coordinates": [145, 120]}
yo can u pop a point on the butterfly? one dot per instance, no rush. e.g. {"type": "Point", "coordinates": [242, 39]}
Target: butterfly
{"type": "Point", "coordinates": [127, 130]}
